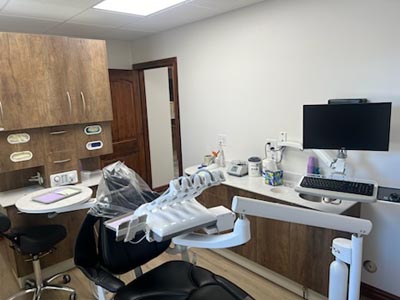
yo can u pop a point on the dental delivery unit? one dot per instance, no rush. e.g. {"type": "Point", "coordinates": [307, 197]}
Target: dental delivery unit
{"type": "Point", "coordinates": [177, 215]}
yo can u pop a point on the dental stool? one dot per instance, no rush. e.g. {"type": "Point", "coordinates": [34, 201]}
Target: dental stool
{"type": "Point", "coordinates": [173, 280]}
{"type": "Point", "coordinates": [36, 242]}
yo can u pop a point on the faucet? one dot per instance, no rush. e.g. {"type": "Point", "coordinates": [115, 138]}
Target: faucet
{"type": "Point", "coordinates": [37, 178]}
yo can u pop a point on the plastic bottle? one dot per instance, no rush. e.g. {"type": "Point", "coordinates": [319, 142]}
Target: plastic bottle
{"type": "Point", "coordinates": [221, 156]}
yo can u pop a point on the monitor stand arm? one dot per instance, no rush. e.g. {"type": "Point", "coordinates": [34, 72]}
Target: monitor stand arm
{"type": "Point", "coordinates": [338, 165]}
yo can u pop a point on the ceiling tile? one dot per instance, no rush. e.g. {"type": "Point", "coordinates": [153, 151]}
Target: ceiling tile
{"type": "Point", "coordinates": [46, 16]}
{"type": "Point", "coordinates": [224, 5]}
{"type": "Point", "coordinates": [60, 10]}
{"type": "Point", "coordinates": [104, 18]}
{"type": "Point", "coordinates": [171, 18]}
{"type": "Point", "coordinates": [28, 25]}
{"type": "Point", "coordinates": [84, 31]}
{"type": "Point", "coordinates": [2, 3]}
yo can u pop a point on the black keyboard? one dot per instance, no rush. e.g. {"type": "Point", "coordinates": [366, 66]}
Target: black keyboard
{"type": "Point", "coordinates": [350, 187]}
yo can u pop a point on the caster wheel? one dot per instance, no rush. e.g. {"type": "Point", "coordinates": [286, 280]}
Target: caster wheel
{"type": "Point", "coordinates": [72, 296]}
{"type": "Point", "coordinates": [66, 279]}
{"type": "Point", "coordinates": [29, 284]}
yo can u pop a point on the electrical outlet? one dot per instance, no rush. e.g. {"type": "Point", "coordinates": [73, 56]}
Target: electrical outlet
{"type": "Point", "coordinates": [283, 136]}
{"type": "Point", "coordinates": [221, 139]}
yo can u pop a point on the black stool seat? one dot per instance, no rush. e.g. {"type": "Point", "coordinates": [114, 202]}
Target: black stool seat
{"type": "Point", "coordinates": [180, 280]}
{"type": "Point", "coordinates": [38, 239]}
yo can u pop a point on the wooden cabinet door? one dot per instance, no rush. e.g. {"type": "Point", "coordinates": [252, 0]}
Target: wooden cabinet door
{"type": "Point", "coordinates": [24, 80]}
{"type": "Point", "coordinates": [62, 105]}
{"type": "Point", "coordinates": [310, 256]}
{"type": "Point", "coordinates": [92, 80]}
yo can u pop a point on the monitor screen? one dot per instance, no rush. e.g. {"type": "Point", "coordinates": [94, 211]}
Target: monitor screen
{"type": "Point", "coordinates": [347, 126]}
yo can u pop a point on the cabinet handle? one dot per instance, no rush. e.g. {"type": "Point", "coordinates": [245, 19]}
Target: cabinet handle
{"type": "Point", "coordinates": [83, 102]}
{"type": "Point", "coordinates": [69, 103]}
{"type": "Point", "coordinates": [1, 110]}
{"type": "Point", "coordinates": [62, 161]}
{"type": "Point", "coordinates": [58, 132]}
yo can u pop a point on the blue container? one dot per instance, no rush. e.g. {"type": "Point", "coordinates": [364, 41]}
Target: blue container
{"type": "Point", "coordinates": [273, 177]}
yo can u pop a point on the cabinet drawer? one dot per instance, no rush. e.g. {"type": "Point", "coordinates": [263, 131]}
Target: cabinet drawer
{"type": "Point", "coordinates": [59, 138]}
{"type": "Point", "coordinates": [61, 161]}
{"type": "Point", "coordinates": [21, 150]}
{"type": "Point", "coordinates": [103, 139]}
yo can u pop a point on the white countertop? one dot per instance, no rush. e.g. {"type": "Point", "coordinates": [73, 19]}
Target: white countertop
{"type": "Point", "coordinates": [284, 193]}
{"type": "Point", "coordinates": [9, 198]}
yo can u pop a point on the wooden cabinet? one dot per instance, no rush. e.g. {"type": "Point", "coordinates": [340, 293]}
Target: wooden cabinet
{"type": "Point", "coordinates": [298, 252]}
{"type": "Point", "coordinates": [62, 106]}
{"type": "Point", "coordinates": [51, 81]}
{"type": "Point", "coordinates": [80, 88]}
{"type": "Point", "coordinates": [273, 245]}
{"type": "Point", "coordinates": [12, 154]}
{"type": "Point", "coordinates": [93, 85]}
{"type": "Point", "coordinates": [24, 80]}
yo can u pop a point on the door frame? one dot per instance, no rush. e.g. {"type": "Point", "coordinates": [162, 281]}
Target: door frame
{"type": "Point", "coordinates": [172, 63]}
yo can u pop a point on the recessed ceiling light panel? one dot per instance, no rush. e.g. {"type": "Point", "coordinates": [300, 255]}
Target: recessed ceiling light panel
{"type": "Point", "coordinates": [137, 7]}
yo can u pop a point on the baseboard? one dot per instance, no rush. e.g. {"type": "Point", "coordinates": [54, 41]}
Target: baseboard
{"type": "Point", "coordinates": [375, 293]}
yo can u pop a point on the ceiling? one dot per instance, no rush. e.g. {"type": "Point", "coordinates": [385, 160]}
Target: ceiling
{"type": "Point", "coordinates": [78, 18]}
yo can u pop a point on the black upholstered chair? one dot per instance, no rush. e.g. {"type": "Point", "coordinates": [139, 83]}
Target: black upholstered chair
{"type": "Point", "coordinates": [174, 280]}
{"type": "Point", "coordinates": [36, 242]}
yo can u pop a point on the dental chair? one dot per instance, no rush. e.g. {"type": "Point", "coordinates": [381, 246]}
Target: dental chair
{"type": "Point", "coordinates": [173, 280]}
{"type": "Point", "coordinates": [101, 257]}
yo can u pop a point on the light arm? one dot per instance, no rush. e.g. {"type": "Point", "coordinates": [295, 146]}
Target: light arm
{"type": "Point", "coordinates": [280, 212]}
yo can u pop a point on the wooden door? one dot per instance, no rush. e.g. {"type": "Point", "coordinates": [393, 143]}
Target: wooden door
{"type": "Point", "coordinates": [127, 126]}
{"type": "Point", "coordinates": [24, 80]}
{"type": "Point", "coordinates": [92, 80]}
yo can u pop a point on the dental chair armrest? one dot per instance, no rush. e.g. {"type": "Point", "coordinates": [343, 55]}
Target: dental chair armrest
{"type": "Point", "coordinates": [102, 278]}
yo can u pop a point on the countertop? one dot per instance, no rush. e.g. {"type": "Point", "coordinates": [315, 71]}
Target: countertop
{"type": "Point", "coordinates": [284, 193]}
{"type": "Point", "coordinates": [9, 198]}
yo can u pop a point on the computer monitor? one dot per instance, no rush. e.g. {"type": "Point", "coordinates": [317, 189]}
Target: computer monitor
{"type": "Point", "coordinates": [347, 126]}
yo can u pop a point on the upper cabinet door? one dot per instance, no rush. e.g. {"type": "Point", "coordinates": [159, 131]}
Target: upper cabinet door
{"type": "Point", "coordinates": [92, 80]}
{"type": "Point", "coordinates": [24, 79]}
{"type": "Point", "coordinates": [50, 81]}
{"type": "Point", "coordinates": [62, 105]}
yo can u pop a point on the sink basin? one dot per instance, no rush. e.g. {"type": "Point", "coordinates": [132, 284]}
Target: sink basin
{"type": "Point", "coordinates": [279, 190]}
{"type": "Point", "coordinates": [313, 198]}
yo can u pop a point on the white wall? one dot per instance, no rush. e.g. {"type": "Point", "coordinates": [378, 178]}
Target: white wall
{"type": "Point", "coordinates": [159, 122]}
{"type": "Point", "coordinates": [119, 54]}
{"type": "Point", "coordinates": [248, 73]}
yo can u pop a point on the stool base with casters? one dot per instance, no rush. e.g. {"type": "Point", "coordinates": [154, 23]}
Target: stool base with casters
{"type": "Point", "coordinates": [40, 286]}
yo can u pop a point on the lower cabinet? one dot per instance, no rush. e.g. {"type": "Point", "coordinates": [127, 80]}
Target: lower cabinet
{"type": "Point", "coordinates": [298, 252]}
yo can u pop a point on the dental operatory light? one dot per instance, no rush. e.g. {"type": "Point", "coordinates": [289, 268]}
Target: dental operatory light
{"type": "Point", "coordinates": [137, 7]}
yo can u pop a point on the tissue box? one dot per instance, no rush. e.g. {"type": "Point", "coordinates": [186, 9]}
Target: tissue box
{"type": "Point", "coordinates": [273, 177]}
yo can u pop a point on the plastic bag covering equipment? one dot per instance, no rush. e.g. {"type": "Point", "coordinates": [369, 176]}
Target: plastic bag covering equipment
{"type": "Point", "coordinates": [120, 191]}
